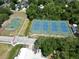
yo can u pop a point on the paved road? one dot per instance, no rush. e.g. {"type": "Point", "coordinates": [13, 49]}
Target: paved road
{"type": "Point", "coordinates": [16, 40]}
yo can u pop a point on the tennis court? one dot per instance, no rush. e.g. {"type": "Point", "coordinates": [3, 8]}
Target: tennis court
{"type": "Point", "coordinates": [49, 27]}
{"type": "Point", "coordinates": [14, 24]}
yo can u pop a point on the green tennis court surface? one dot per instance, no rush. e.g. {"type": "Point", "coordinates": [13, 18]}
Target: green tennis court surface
{"type": "Point", "coordinates": [51, 27]}
{"type": "Point", "coordinates": [14, 24]}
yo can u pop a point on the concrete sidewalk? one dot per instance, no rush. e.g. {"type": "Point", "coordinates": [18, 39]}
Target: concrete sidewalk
{"type": "Point", "coordinates": [17, 40]}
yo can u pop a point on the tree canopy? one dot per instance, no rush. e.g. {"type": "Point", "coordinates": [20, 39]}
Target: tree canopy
{"type": "Point", "coordinates": [1, 2]}
{"type": "Point", "coordinates": [4, 14]}
{"type": "Point", "coordinates": [54, 9]}
{"type": "Point", "coordinates": [67, 48]}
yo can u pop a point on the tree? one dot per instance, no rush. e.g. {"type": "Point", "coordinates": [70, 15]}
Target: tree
{"type": "Point", "coordinates": [5, 10]}
{"type": "Point", "coordinates": [15, 1]}
{"type": "Point", "coordinates": [4, 14]}
{"type": "Point", "coordinates": [33, 1]}
{"type": "Point", "coordinates": [31, 11]}
{"type": "Point", "coordinates": [66, 48]}
{"type": "Point", "coordinates": [54, 9]}
{"type": "Point", "coordinates": [1, 2]}
{"type": "Point", "coordinates": [12, 5]}
{"type": "Point", "coordinates": [3, 17]}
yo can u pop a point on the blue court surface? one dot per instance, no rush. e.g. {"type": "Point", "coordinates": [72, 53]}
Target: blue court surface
{"type": "Point", "coordinates": [49, 27]}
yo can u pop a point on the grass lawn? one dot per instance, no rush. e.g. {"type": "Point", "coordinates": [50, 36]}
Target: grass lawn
{"type": "Point", "coordinates": [14, 51]}
{"type": "Point", "coordinates": [27, 29]}
{"type": "Point", "coordinates": [23, 28]}
{"type": "Point", "coordinates": [4, 50]}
